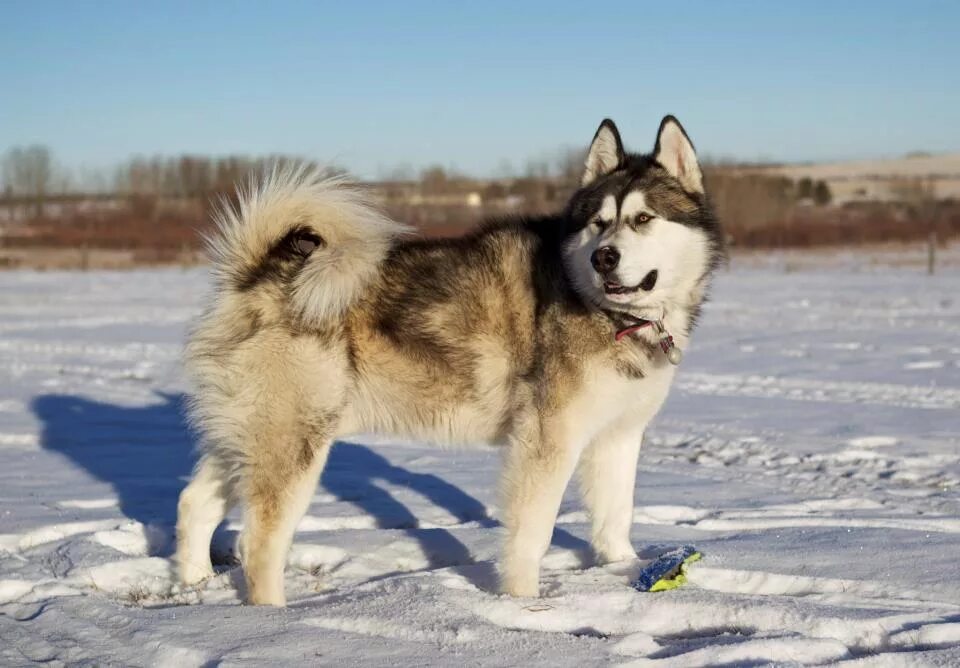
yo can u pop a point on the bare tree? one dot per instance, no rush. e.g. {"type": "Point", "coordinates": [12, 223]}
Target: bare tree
{"type": "Point", "coordinates": [29, 172]}
{"type": "Point", "coordinates": [919, 194]}
{"type": "Point", "coordinates": [569, 166]}
{"type": "Point", "coordinates": [821, 193]}
{"type": "Point", "coordinates": [537, 168]}
{"type": "Point", "coordinates": [434, 179]}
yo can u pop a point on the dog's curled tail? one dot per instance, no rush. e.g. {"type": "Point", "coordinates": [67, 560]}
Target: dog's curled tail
{"type": "Point", "coordinates": [319, 233]}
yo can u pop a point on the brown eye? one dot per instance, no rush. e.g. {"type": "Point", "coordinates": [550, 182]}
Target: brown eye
{"type": "Point", "coordinates": [601, 224]}
{"type": "Point", "coordinates": [644, 218]}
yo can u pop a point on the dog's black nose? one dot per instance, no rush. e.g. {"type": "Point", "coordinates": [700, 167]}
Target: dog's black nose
{"type": "Point", "coordinates": [649, 281]}
{"type": "Point", "coordinates": [605, 259]}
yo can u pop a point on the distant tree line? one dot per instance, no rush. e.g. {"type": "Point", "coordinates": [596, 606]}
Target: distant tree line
{"type": "Point", "coordinates": [31, 171]}
{"type": "Point", "coordinates": [190, 176]}
{"type": "Point", "coordinates": [157, 205]}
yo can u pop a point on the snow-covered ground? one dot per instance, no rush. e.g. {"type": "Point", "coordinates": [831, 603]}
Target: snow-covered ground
{"type": "Point", "coordinates": [810, 448]}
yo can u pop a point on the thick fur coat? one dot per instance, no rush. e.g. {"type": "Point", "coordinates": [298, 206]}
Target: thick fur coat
{"type": "Point", "coordinates": [327, 320]}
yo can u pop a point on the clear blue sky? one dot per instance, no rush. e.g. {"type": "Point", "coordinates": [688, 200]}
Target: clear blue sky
{"type": "Point", "coordinates": [373, 85]}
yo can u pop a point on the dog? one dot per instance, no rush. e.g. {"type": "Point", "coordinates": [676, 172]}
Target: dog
{"type": "Point", "coordinates": [555, 336]}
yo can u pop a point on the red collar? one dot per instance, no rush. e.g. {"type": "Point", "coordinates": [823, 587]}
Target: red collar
{"type": "Point", "coordinates": [630, 329]}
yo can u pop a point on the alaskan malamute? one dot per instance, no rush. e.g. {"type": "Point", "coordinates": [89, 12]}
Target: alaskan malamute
{"type": "Point", "coordinates": [554, 336]}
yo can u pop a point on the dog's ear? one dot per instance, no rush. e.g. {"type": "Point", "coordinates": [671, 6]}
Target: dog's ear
{"type": "Point", "coordinates": [605, 155]}
{"type": "Point", "coordinates": [674, 151]}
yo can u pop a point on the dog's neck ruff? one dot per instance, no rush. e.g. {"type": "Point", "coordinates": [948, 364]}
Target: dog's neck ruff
{"type": "Point", "coordinates": [627, 324]}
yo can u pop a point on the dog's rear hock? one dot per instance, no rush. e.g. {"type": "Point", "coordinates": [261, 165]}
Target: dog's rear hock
{"type": "Point", "coordinates": [277, 495]}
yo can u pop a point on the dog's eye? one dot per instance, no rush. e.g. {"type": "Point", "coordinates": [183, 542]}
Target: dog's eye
{"type": "Point", "coordinates": [601, 224]}
{"type": "Point", "coordinates": [305, 243]}
{"type": "Point", "coordinates": [644, 218]}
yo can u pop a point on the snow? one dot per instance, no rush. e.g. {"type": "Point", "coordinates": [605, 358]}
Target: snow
{"type": "Point", "coordinates": [810, 449]}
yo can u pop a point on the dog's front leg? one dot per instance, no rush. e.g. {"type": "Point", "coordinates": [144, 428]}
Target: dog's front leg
{"type": "Point", "coordinates": [608, 472]}
{"type": "Point", "coordinates": [536, 473]}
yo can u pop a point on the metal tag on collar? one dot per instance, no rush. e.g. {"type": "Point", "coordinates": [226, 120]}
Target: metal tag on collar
{"type": "Point", "coordinates": [669, 348]}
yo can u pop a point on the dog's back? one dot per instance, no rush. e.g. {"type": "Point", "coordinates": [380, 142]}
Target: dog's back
{"type": "Point", "coordinates": [440, 341]}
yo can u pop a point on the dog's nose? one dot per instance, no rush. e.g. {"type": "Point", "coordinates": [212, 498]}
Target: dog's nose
{"type": "Point", "coordinates": [649, 280]}
{"type": "Point", "coordinates": [605, 259]}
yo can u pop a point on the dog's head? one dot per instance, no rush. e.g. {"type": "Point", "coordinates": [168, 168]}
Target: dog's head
{"type": "Point", "coordinates": [642, 236]}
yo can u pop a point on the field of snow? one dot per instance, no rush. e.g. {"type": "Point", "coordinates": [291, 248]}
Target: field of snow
{"type": "Point", "coordinates": [810, 449]}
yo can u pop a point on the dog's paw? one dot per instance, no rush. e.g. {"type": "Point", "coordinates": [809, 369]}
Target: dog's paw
{"type": "Point", "coordinates": [521, 589]}
{"type": "Point", "coordinates": [259, 595]}
{"type": "Point", "coordinates": [611, 554]}
{"type": "Point", "coordinates": [521, 580]}
{"type": "Point", "coordinates": [190, 573]}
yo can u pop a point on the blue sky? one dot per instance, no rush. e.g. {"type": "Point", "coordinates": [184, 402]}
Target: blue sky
{"type": "Point", "coordinates": [474, 85]}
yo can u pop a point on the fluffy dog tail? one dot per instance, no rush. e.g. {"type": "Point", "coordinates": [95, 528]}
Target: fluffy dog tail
{"type": "Point", "coordinates": [321, 234]}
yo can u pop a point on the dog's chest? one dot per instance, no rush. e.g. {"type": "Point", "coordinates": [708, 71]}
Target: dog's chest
{"type": "Point", "coordinates": [607, 397]}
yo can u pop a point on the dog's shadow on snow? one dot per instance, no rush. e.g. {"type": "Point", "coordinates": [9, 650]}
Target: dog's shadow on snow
{"type": "Point", "coordinates": [352, 473]}
{"type": "Point", "coordinates": [146, 454]}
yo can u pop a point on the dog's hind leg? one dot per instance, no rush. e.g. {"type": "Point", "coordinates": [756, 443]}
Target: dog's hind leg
{"type": "Point", "coordinates": [278, 492]}
{"type": "Point", "coordinates": [608, 472]}
{"type": "Point", "coordinates": [203, 505]}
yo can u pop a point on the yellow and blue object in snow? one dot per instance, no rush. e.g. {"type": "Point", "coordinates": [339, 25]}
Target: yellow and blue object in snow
{"type": "Point", "coordinates": [668, 571]}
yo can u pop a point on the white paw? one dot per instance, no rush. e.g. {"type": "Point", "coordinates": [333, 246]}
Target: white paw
{"type": "Point", "coordinates": [519, 589]}
{"type": "Point", "coordinates": [521, 579]}
{"type": "Point", "coordinates": [610, 554]}
{"type": "Point", "coordinates": [266, 596]}
{"type": "Point", "coordinates": [190, 573]}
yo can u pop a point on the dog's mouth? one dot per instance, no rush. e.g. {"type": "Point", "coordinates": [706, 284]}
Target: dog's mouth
{"type": "Point", "coordinates": [614, 288]}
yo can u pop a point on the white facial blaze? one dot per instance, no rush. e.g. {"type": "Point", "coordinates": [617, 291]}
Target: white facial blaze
{"type": "Point", "coordinates": [676, 154]}
{"type": "Point", "coordinates": [608, 210]}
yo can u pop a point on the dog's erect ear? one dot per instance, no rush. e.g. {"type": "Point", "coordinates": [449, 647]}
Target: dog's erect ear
{"type": "Point", "coordinates": [606, 153]}
{"type": "Point", "coordinates": [674, 151]}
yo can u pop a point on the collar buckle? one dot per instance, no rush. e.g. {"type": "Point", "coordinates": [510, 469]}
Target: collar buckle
{"type": "Point", "coordinates": [667, 345]}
